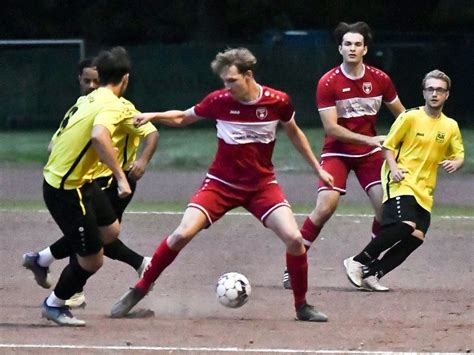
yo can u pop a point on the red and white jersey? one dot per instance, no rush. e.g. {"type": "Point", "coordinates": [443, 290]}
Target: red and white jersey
{"type": "Point", "coordinates": [246, 133]}
{"type": "Point", "coordinates": [357, 101]}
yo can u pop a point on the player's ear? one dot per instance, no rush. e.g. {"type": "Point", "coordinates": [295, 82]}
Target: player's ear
{"type": "Point", "coordinates": [366, 49]}
{"type": "Point", "coordinates": [340, 49]}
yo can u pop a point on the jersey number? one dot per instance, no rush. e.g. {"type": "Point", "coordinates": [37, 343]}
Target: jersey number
{"type": "Point", "coordinates": [66, 118]}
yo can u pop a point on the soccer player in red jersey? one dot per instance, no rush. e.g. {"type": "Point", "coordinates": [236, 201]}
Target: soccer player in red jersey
{"type": "Point", "coordinates": [246, 115]}
{"type": "Point", "coordinates": [348, 98]}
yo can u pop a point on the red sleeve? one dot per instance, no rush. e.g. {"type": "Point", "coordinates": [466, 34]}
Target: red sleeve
{"type": "Point", "coordinates": [206, 107]}
{"type": "Point", "coordinates": [287, 109]}
{"type": "Point", "coordinates": [390, 93]}
{"type": "Point", "coordinates": [324, 94]}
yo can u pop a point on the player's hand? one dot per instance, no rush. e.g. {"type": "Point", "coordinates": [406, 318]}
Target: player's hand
{"type": "Point", "coordinates": [123, 187]}
{"type": "Point", "coordinates": [376, 141]}
{"type": "Point", "coordinates": [398, 174]}
{"type": "Point", "coordinates": [142, 118]}
{"type": "Point", "coordinates": [450, 165]}
{"type": "Point", "coordinates": [326, 178]}
{"type": "Point", "coordinates": [137, 169]}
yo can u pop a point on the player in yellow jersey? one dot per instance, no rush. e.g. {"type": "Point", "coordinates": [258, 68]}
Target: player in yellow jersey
{"type": "Point", "coordinates": [126, 140]}
{"type": "Point", "coordinates": [77, 204]}
{"type": "Point", "coordinates": [420, 140]}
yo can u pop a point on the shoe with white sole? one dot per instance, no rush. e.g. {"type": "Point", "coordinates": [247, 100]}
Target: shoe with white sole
{"type": "Point", "coordinates": [371, 283]}
{"type": "Point", "coordinates": [78, 300]}
{"type": "Point", "coordinates": [61, 316]}
{"type": "Point", "coordinates": [354, 271]}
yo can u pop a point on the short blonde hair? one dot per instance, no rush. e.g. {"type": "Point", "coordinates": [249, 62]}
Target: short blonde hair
{"type": "Point", "coordinates": [241, 57]}
{"type": "Point", "coordinates": [437, 74]}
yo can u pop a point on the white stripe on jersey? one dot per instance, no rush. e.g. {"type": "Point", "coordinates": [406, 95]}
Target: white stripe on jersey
{"type": "Point", "coordinates": [358, 106]}
{"type": "Point", "coordinates": [246, 132]}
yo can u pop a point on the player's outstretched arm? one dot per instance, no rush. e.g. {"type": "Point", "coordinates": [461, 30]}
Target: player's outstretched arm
{"type": "Point", "coordinates": [172, 118]}
{"type": "Point", "coordinates": [332, 128]}
{"type": "Point", "coordinates": [149, 146]}
{"type": "Point", "coordinates": [301, 143]}
{"type": "Point", "coordinates": [102, 143]}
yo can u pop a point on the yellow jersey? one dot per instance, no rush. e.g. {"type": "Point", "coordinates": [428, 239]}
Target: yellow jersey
{"type": "Point", "coordinates": [126, 139]}
{"type": "Point", "coordinates": [419, 143]}
{"type": "Point", "coordinates": [72, 160]}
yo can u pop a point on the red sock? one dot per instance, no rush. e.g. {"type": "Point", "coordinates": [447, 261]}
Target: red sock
{"type": "Point", "coordinates": [310, 232]}
{"type": "Point", "coordinates": [298, 270]}
{"type": "Point", "coordinates": [375, 228]}
{"type": "Point", "coordinates": [161, 259]}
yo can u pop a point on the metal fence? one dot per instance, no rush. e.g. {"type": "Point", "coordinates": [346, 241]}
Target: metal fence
{"type": "Point", "coordinates": [38, 84]}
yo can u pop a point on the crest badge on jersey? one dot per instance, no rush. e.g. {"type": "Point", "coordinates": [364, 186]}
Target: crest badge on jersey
{"type": "Point", "coordinates": [440, 137]}
{"type": "Point", "coordinates": [367, 87]}
{"type": "Point", "coordinates": [261, 113]}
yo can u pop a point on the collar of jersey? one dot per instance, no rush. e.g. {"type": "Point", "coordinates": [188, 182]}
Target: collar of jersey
{"type": "Point", "coordinates": [351, 76]}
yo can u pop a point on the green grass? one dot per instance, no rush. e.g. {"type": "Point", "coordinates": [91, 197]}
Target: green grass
{"type": "Point", "coordinates": [304, 208]}
{"type": "Point", "coordinates": [186, 149]}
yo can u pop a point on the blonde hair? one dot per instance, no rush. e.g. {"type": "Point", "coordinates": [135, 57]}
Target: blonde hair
{"type": "Point", "coordinates": [241, 57]}
{"type": "Point", "coordinates": [437, 74]}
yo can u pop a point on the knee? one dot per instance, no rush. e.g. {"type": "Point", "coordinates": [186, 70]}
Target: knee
{"type": "Point", "coordinates": [91, 263]}
{"type": "Point", "coordinates": [294, 244]}
{"type": "Point", "coordinates": [323, 212]}
{"type": "Point", "coordinates": [110, 233]}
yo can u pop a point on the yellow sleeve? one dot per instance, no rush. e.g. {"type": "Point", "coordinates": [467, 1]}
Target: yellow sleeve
{"type": "Point", "coordinates": [141, 131]}
{"type": "Point", "coordinates": [397, 132]}
{"type": "Point", "coordinates": [111, 116]}
{"type": "Point", "coordinates": [456, 146]}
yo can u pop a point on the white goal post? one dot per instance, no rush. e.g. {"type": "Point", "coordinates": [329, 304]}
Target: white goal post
{"type": "Point", "coordinates": [41, 42]}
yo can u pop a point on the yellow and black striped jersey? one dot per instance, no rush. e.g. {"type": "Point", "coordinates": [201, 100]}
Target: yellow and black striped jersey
{"type": "Point", "coordinates": [126, 139]}
{"type": "Point", "coordinates": [419, 143]}
{"type": "Point", "coordinates": [72, 160]}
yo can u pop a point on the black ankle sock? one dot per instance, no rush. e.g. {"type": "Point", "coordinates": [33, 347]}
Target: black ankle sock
{"type": "Point", "coordinates": [72, 280]}
{"type": "Point", "coordinates": [61, 248]}
{"type": "Point", "coordinates": [388, 236]}
{"type": "Point", "coordinates": [397, 255]}
{"type": "Point", "coordinates": [119, 251]}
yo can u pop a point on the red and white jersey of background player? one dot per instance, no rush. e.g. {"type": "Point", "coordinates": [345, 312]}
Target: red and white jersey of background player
{"type": "Point", "coordinates": [357, 101]}
{"type": "Point", "coordinates": [246, 134]}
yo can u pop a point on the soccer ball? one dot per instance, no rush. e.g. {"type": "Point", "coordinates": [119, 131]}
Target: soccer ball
{"type": "Point", "coordinates": [233, 290]}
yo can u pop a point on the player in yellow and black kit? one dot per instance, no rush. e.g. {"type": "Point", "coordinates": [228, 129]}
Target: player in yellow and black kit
{"type": "Point", "coordinates": [126, 140]}
{"type": "Point", "coordinates": [77, 204]}
{"type": "Point", "coordinates": [420, 140]}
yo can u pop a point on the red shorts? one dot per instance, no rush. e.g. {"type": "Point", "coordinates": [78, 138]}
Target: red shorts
{"type": "Point", "coordinates": [215, 199]}
{"type": "Point", "coordinates": [367, 170]}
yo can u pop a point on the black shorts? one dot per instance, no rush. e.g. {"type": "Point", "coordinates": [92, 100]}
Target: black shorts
{"type": "Point", "coordinates": [109, 185]}
{"type": "Point", "coordinates": [405, 208]}
{"type": "Point", "coordinates": [77, 213]}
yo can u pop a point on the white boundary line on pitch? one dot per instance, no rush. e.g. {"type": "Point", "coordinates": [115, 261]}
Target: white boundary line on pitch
{"type": "Point", "coordinates": [175, 213]}
{"type": "Point", "coordinates": [193, 349]}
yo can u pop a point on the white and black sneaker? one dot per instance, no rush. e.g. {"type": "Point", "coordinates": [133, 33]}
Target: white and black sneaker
{"type": "Point", "coordinates": [354, 271]}
{"type": "Point", "coordinates": [286, 280]}
{"type": "Point", "coordinates": [371, 283]}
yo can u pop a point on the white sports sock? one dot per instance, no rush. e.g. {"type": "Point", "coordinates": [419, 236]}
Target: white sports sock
{"type": "Point", "coordinates": [53, 301]}
{"type": "Point", "coordinates": [46, 258]}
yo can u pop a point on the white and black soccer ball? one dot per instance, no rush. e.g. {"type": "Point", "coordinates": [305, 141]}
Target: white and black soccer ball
{"type": "Point", "coordinates": [233, 290]}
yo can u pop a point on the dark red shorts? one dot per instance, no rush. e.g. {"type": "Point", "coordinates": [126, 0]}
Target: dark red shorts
{"type": "Point", "coordinates": [215, 199]}
{"type": "Point", "coordinates": [367, 170]}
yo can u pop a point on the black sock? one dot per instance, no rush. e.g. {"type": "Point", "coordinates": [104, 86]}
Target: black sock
{"type": "Point", "coordinates": [72, 279]}
{"type": "Point", "coordinates": [73, 261]}
{"type": "Point", "coordinates": [61, 248]}
{"type": "Point", "coordinates": [396, 255]}
{"type": "Point", "coordinates": [119, 251]}
{"type": "Point", "coordinates": [388, 236]}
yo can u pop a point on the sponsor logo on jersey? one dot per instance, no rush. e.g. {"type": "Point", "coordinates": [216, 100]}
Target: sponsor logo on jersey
{"type": "Point", "coordinates": [440, 137]}
{"type": "Point", "coordinates": [346, 89]}
{"type": "Point", "coordinates": [419, 134]}
{"type": "Point", "coordinates": [234, 112]}
{"type": "Point", "coordinates": [261, 113]}
{"type": "Point", "coordinates": [367, 87]}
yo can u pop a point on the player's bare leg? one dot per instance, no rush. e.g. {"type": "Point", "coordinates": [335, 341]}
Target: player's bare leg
{"type": "Point", "coordinates": [193, 221]}
{"type": "Point", "coordinates": [282, 222]}
{"type": "Point", "coordinates": [375, 194]}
